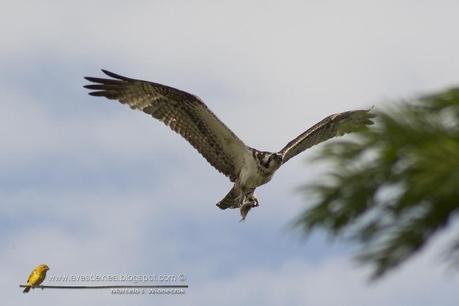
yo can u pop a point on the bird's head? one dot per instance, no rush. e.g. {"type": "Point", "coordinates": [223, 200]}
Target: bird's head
{"type": "Point", "coordinates": [43, 267]}
{"type": "Point", "coordinates": [271, 161]}
{"type": "Point", "coordinates": [277, 158]}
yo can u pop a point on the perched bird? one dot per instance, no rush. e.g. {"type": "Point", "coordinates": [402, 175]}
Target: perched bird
{"type": "Point", "coordinates": [36, 277]}
{"type": "Point", "coordinates": [187, 115]}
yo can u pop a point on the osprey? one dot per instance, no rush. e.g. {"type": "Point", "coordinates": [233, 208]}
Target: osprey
{"type": "Point", "coordinates": [187, 115]}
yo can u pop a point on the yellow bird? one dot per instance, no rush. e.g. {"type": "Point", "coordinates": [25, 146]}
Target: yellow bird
{"type": "Point", "coordinates": [36, 277]}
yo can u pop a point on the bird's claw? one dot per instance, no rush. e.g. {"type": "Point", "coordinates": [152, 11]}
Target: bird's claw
{"type": "Point", "coordinates": [247, 205]}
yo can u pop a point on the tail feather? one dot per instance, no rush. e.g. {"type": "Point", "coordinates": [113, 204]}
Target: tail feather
{"type": "Point", "coordinates": [26, 289]}
{"type": "Point", "coordinates": [231, 200]}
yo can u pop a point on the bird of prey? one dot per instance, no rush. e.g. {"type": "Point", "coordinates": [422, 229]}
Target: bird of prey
{"type": "Point", "coordinates": [187, 115]}
{"type": "Point", "coordinates": [36, 277]}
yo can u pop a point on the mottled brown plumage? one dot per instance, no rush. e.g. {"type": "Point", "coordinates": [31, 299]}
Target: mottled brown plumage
{"type": "Point", "coordinates": [184, 113]}
{"type": "Point", "coordinates": [187, 115]}
{"type": "Point", "coordinates": [333, 125]}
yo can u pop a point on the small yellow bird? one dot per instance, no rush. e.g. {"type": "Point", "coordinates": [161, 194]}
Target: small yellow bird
{"type": "Point", "coordinates": [36, 277]}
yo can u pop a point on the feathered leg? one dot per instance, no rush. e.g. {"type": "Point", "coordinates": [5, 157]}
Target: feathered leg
{"type": "Point", "coordinates": [232, 200]}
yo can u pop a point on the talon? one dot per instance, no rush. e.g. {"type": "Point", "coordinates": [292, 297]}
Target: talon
{"type": "Point", "coordinates": [255, 203]}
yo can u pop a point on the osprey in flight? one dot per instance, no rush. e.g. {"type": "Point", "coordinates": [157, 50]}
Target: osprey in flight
{"type": "Point", "coordinates": [187, 115]}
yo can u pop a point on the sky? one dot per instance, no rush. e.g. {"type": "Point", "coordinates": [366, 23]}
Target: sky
{"type": "Point", "coordinates": [90, 187]}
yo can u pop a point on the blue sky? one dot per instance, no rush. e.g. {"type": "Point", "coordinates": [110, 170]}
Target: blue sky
{"type": "Point", "coordinates": [90, 186]}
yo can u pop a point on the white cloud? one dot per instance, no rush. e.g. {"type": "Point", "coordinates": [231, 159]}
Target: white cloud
{"type": "Point", "coordinates": [102, 234]}
{"type": "Point", "coordinates": [331, 282]}
{"type": "Point", "coordinates": [92, 186]}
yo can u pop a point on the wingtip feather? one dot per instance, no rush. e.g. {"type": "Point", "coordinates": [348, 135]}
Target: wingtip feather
{"type": "Point", "coordinates": [114, 75]}
{"type": "Point", "coordinates": [98, 93]}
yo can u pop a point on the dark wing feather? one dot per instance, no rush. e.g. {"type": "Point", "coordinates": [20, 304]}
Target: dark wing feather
{"type": "Point", "coordinates": [184, 113]}
{"type": "Point", "coordinates": [332, 126]}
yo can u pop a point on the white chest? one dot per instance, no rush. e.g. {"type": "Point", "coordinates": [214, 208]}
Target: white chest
{"type": "Point", "coordinates": [251, 176]}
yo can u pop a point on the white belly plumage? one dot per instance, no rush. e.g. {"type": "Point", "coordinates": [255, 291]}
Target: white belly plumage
{"type": "Point", "coordinates": [251, 177]}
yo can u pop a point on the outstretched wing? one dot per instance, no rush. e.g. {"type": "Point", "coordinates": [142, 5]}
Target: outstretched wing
{"type": "Point", "coordinates": [184, 113]}
{"type": "Point", "coordinates": [333, 125]}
